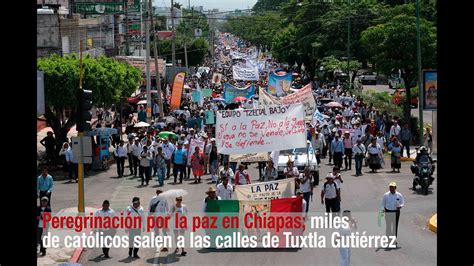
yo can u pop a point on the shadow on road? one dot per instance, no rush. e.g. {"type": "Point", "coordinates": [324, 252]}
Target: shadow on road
{"type": "Point", "coordinates": [99, 258]}
{"type": "Point", "coordinates": [168, 259]}
{"type": "Point", "coordinates": [227, 250]}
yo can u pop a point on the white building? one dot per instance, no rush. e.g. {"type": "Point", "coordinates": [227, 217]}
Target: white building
{"type": "Point", "coordinates": [166, 12]}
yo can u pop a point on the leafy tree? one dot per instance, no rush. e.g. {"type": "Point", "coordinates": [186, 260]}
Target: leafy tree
{"type": "Point", "coordinates": [283, 45]}
{"type": "Point", "coordinates": [107, 78]}
{"type": "Point", "coordinates": [331, 64]}
{"type": "Point", "coordinates": [392, 44]}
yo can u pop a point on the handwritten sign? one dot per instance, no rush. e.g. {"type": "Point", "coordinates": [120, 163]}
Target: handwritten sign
{"type": "Point", "coordinates": [210, 118]}
{"type": "Point", "coordinates": [260, 130]}
{"type": "Point", "coordinates": [192, 146]}
{"type": "Point", "coordinates": [266, 190]}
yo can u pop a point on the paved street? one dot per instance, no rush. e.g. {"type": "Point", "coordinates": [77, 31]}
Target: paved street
{"type": "Point", "coordinates": [417, 245]}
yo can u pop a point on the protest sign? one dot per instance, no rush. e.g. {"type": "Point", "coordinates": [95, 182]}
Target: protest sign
{"type": "Point", "coordinates": [177, 90]}
{"type": "Point", "coordinates": [196, 96]}
{"type": "Point", "coordinates": [276, 189]}
{"type": "Point", "coordinates": [303, 96]}
{"type": "Point", "coordinates": [192, 146]}
{"type": "Point", "coordinates": [195, 121]}
{"type": "Point", "coordinates": [260, 130]}
{"type": "Point", "coordinates": [245, 72]}
{"type": "Point", "coordinates": [249, 157]}
{"type": "Point", "coordinates": [210, 118]}
{"type": "Point", "coordinates": [206, 93]}
{"type": "Point", "coordinates": [279, 84]}
{"type": "Point", "coordinates": [231, 92]}
{"type": "Point", "coordinates": [216, 78]}
{"type": "Point", "coordinates": [317, 117]}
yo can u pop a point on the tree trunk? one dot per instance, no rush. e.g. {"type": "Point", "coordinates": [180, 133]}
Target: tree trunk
{"type": "Point", "coordinates": [60, 130]}
{"type": "Point", "coordinates": [408, 77]}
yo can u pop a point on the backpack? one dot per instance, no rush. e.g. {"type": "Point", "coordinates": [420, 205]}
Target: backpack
{"type": "Point", "coordinates": [334, 184]}
{"type": "Point", "coordinates": [153, 207]}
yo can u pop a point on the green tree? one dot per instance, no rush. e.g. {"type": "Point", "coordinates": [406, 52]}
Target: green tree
{"type": "Point", "coordinates": [331, 64]}
{"type": "Point", "coordinates": [392, 45]}
{"type": "Point", "coordinates": [107, 78]}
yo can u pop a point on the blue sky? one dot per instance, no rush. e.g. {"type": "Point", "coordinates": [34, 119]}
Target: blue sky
{"type": "Point", "coordinates": [222, 5]}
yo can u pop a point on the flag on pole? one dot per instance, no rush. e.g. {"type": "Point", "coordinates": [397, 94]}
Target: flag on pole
{"type": "Point", "coordinates": [317, 117]}
{"type": "Point", "coordinates": [201, 99]}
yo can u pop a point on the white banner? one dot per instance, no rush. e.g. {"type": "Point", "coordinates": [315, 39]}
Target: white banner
{"type": "Point", "coordinates": [245, 72]}
{"type": "Point", "coordinates": [250, 157]}
{"type": "Point", "coordinates": [260, 130]}
{"type": "Point", "coordinates": [317, 118]}
{"type": "Point", "coordinates": [277, 189]}
{"type": "Point", "coordinates": [304, 96]}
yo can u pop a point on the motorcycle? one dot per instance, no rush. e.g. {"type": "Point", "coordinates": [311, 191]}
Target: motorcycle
{"type": "Point", "coordinates": [423, 174]}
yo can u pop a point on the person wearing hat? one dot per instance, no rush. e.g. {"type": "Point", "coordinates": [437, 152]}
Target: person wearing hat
{"type": "Point", "coordinates": [291, 171]}
{"type": "Point", "coordinates": [134, 210]}
{"type": "Point", "coordinates": [392, 202]}
{"type": "Point", "coordinates": [103, 212]}
{"type": "Point", "coordinates": [40, 231]}
{"type": "Point", "coordinates": [242, 177]}
{"type": "Point", "coordinates": [159, 207]}
{"type": "Point", "coordinates": [45, 185]}
{"type": "Point", "coordinates": [304, 206]}
{"type": "Point", "coordinates": [179, 163]}
{"type": "Point", "coordinates": [330, 194]}
{"type": "Point", "coordinates": [224, 189]}
{"type": "Point", "coordinates": [337, 150]}
{"type": "Point", "coordinates": [136, 151]}
{"type": "Point", "coordinates": [211, 195]}
{"type": "Point", "coordinates": [359, 153]}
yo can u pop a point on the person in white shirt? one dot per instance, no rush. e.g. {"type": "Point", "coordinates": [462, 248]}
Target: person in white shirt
{"type": "Point", "coordinates": [227, 172]}
{"type": "Point", "coordinates": [291, 171]}
{"type": "Point", "coordinates": [134, 210]}
{"type": "Point", "coordinates": [120, 155]}
{"type": "Point", "coordinates": [211, 195]}
{"type": "Point", "coordinates": [136, 151]}
{"type": "Point", "coordinates": [103, 212]}
{"type": "Point", "coordinates": [159, 207]}
{"type": "Point", "coordinates": [395, 130]}
{"type": "Point", "coordinates": [145, 157]}
{"type": "Point", "coordinates": [299, 193]}
{"type": "Point", "coordinates": [72, 166]}
{"type": "Point", "coordinates": [225, 190]}
{"type": "Point", "coordinates": [381, 140]}
{"type": "Point", "coordinates": [306, 186]}
{"type": "Point", "coordinates": [392, 202]}
{"type": "Point", "coordinates": [130, 155]}
{"type": "Point", "coordinates": [330, 194]}
{"type": "Point", "coordinates": [359, 153]}
{"type": "Point", "coordinates": [168, 149]}
{"type": "Point", "coordinates": [375, 155]}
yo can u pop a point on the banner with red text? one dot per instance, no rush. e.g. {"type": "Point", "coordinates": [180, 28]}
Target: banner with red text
{"type": "Point", "coordinates": [276, 189]}
{"type": "Point", "coordinates": [260, 130]}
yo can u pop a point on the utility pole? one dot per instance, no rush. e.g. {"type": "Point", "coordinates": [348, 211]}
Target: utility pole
{"type": "Point", "coordinates": [141, 28]}
{"type": "Point", "coordinates": [349, 44]}
{"type": "Point", "coordinates": [148, 78]}
{"type": "Point", "coordinates": [420, 78]}
{"type": "Point", "coordinates": [185, 38]}
{"type": "Point", "coordinates": [127, 45]}
{"type": "Point", "coordinates": [173, 41]}
{"type": "Point", "coordinates": [80, 165]}
{"type": "Point", "coordinates": [155, 53]}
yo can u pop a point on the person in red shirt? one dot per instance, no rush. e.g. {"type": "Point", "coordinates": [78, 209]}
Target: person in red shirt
{"type": "Point", "coordinates": [242, 177]}
{"type": "Point", "coordinates": [372, 128]}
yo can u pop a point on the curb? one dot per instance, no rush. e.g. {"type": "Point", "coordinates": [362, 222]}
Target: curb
{"type": "Point", "coordinates": [76, 255]}
{"type": "Point", "coordinates": [433, 223]}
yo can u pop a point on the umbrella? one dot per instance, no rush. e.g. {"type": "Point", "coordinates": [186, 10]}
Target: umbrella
{"type": "Point", "coordinates": [334, 104]}
{"type": "Point", "coordinates": [165, 134]}
{"type": "Point", "coordinates": [295, 74]}
{"type": "Point", "coordinates": [170, 120]}
{"type": "Point", "coordinates": [141, 102]}
{"type": "Point", "coordinates": [240, 99]}
{"type": "Point", "coordinates": [219, 99]}
{"type": "Point", "coordinates": [141, 124]}
{"type": "Point", "coordinates": [173, 193]}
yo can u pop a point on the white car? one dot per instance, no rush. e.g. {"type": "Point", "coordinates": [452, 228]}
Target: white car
{"type": "Point", "coordinates": [301, 157]}
{"type": "Point", "coordinates": [368, 78]}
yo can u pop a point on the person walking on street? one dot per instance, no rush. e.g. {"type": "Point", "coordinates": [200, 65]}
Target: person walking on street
{"type": "Point", "coordinates": [71, 165]}
{"type": "Point", "coordinates": [395, 130]}
{"type": "Point", "coordinates": [381, 140]}
{"type": "Point", "coordinates": [227, 173]}
{"type": "Point", "coordinates": [160, 164]}
{"type": "Point", "coordinates": [375, 155]}
{"type": "Point", "coordinates": [359, 154]}
{"type": "Point", "coordinates": [392, 202]}
{"type": "Point", "coordinates": [197, 163]}
{"type": "Point", "coordinates": [405, 136]}
{"type": "Point", "coordinates": [62, 155]}
{"type": "Point", "coordinates": [145, 157]}
{"type": "Point", "coordinates": [396, 148]}
{"type": "Point", "coordinates": [306, 186]}
{"type": "Point", "coordinates": [120, 155]}
{"type": "Point", "coordinates": [136, 151]}
{"type": "Point", "coordinates": [134, 210]}
{"type": "Point", "coordinates": [337, 149]}
{"type": "Point", "coordinates": [179, 162]}
{"type": "Point", "coordinates": [106, 211]}
{"type": "Point", "coordinates": [347, 150]}
{"type": "Point", "coordinates": [242, 177]}
{"type": "Point", "coordinates": [49, 142]}
{"type": "Point", "coordinates": [142, 115]}
{"type": "Point", "coordinates": [130, 155]}
{"type": "Point", "coordinates": [45, 185]}
{"type": "Point", "coordinates": [41, 231]}
{"type": "Point", "coordinates": [330, 194]}
{"type": "Point", "coordinates": [182, 210]}
{"type": "Point", "coordinates": [213, 161]}
{"type": "Point", "coordinates": [270, 173]}
{"type": "Point", "coordinates": [428, 140]}
{"type": "Point", "coordinates": [168, 150]}
{"type": "Point", "coordinates": [159, 207]}
{"type": "Point", "coordinates": [318, 145]}
{"type": "Point", "coordinates": [225, 190]}
{"type": "Point", "coordinates": [336, 173]}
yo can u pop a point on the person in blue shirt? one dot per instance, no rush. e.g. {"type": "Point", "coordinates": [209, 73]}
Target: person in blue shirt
{"type": "Point", "coordinates": [45, 185]}
{"type": "Point", "coordinates": [179, 162]}
{"type": "Point", "coordinates": [396, 148]}
{"type": "Point", "coordinates": [142, 115]}
{"type": "Point", "coordinates": [337, 149]}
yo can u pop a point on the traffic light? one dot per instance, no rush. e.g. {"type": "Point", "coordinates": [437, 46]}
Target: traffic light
{"type": "Point", "coordinates": [84, 107]}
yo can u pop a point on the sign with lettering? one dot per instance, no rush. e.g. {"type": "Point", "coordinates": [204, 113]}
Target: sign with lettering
{"type": "Point", "coordinates": [260, 130]}
{"type": "Point", "coordinates": [245, 72]}
{"type": "Point", "coordinates": [99, 8]}
{"type": "Point", "coordinates": [277, 189]}
{"type": "Point", "coordinates": [250, 157]}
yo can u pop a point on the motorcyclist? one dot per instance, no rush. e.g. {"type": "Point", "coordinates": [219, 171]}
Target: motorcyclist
{"type": "Point", "coordinates": [422, 157]}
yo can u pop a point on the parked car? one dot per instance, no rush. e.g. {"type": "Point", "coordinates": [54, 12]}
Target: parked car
{"type": "Point", "coordinates": [302, 157]}
{"type": "Point", "coordinates": [399, 94]}
{"type": "Point", "coordinates": [368, 78]}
